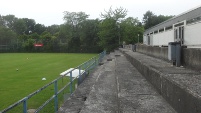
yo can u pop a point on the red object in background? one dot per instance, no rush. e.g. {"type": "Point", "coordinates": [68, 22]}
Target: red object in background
{"type": "Point", "coordinates": [38, 45]}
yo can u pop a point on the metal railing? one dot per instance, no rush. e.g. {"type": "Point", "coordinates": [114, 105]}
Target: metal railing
{"type": "Point", "coordinates": [86, 66]}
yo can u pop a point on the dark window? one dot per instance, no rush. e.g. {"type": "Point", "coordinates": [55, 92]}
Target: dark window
{"type": "Point", "coordinates": [194, 20]}
{"type": "Point", "coordinates": [155, 32]}
{"type": "Point", "coordinates": [161, 30]}
{"type": "Point", "coordinates": [168, 28]}
{"type": "Point", "coordinates": [179, 24]}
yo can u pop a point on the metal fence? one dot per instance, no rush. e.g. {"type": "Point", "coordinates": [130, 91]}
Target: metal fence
{"type": "Point", "coordinates": [56, 45]}
{"type": "Point", "coordinates": [66, 88]}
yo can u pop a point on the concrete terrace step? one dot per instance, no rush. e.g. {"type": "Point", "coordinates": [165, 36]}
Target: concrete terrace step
{"type": "Point", "coordinates": [116, 87]}
{"type": "Point", "coordinates": [179, 86]}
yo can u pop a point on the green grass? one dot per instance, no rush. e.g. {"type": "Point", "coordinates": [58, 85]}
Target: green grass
{"type": "Point", "coordinates": [32, 67]}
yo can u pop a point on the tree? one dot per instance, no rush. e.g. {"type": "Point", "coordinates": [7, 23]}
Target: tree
{"type": "Point", "coordinates": [39, 29]}
{"type": "Point", "coordinates": [30, 25]}
{"type": "Point", "coordinates": [9, 21]}
{"type": "Point", "coordinates": [150, 19]}
{"type": "Point", "coordinates": [1, 21]}
{"type": "Point", "coordinates": [19, 26]}
{"type": "Point", "coordinates": [89, 36]}
{"type": "Point", "coordinates": [74, 18]}
{"type": "Point", "coordinates": [130, 29]}
{"type": "Point", "coordinates": [109, 32]}
{"type": "Point", "coordinates": [53, 29]}
{"type": "Point", "coordinates": [73, 24]}
{"type": "Point", "coordinates": [116, 14]}
{"type": "Point", "coordinates": [6, 35]}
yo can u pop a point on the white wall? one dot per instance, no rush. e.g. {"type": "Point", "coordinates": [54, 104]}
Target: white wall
{"type": "Point", "coordinates": [145, 39]}
{"type": "Point", "coordinates": [192, 37]}
{"type": "Point", "coordinates": [163, 38]}
{"type": "Point", "coordinates": [192, 34]}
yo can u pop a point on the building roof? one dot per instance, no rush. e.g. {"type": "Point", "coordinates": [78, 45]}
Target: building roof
{"type": "Point", "coordinates": [188, 15]}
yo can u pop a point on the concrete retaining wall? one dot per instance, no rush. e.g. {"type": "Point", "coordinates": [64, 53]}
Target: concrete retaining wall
{"type": "Point", "coordinates": [191, 57]}
{"type": "Point", "coordinates": [159, 52]}
{"type": "Point", "coordinates": [177, 95]}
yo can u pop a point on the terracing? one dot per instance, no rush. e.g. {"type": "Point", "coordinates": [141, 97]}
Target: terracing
{"type": "Point", "coordinates": [131, 82]}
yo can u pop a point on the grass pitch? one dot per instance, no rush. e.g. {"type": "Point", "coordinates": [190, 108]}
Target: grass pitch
{"type": "Point", "coordinates": [22, 73]}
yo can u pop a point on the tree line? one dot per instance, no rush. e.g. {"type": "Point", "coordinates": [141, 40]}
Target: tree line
{"type": "Point", "coordinates": [77, 34]}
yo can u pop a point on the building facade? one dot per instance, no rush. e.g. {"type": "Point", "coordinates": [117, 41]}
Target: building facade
{"type": "Point", "coordinates": [184, 28]}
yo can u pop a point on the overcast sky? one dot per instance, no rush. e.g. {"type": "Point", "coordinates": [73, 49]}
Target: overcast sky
{"type": "Point", "coordinates": [49, 12]}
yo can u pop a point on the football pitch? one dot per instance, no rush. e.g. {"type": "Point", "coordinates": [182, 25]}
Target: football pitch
{"type": "Point", "coordinates": [22, 73]}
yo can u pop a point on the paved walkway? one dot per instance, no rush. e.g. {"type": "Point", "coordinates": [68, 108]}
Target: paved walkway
{"type": "Point", "coordinates": [116, 87]}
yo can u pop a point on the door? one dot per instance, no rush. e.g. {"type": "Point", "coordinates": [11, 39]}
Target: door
{"type": "Point", "coordinates": [179, 34]}
{"type": "Point", "coordinates": [149, 40]}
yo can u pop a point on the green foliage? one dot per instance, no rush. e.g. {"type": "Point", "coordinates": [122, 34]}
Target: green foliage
{"type": "Point", "coordinates": [39, 29]}
{"type": "Point", "coordinates": [109, 28]}
{"type": "Point", "coordinates": [30, 25]}
{"type": "Point", "coordinates": [150, 19]}
{"type": "Point", "coordinates": [89, 36]}
{"type": "Point", "coordinates": [28, 45]}
{"type": "Point", "coordinates": [108, 34]}
{"type": "Point", "coordinates": [8, 21]}
{"type": "Point", "coordinates": [6, 36]}
{"type": "Point", "coordinates": [19, 26]}
{"type": "Point", "coordinates": [74, 18]}
{"type": "Point", "coordinates": [130, 30]}
{"type": "Point", "coordinates": [115, 14]}
{"type": "Point", "coordinates": [77, 34]}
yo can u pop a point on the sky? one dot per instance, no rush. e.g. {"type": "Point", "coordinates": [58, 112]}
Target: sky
{"type": "Point", "coordinates": [49, 12]}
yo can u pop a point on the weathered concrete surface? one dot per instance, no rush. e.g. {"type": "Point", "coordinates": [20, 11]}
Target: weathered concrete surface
{"type": "Point", "coordinates": [75, 103]}
{"type": "Point", "coordinates": [116, 87]}
{"type": "Point", "coordinates": [179, 86]}
{"type": "Point", "coordinates": [190, 57]}
{"type": "Point", "coordinates": [135, 94]}
{"type": "Point", "coordinates": [158, 52]}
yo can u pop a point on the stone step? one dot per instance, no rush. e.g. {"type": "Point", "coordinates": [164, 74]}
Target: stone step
{"type": "Point", "coordinates": [179, 86]}
{"type": "Point", "coordinates": [116, 86]}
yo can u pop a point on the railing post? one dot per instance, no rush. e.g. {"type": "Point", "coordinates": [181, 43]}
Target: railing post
{"type": "Point", "coordinates": [71, 85]}
{"type": "Point", "coordinates": [56, 96]}
{"type": "Point", "coordinates": [79, 80]}
{"type": "Point", "coordinates": [25, 105]}
{"type": "Point", "coordinates": [95, 62]}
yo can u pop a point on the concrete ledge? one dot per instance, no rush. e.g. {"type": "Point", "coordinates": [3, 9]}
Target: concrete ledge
{"type": "Point", "coordinates": [179, 86]}
{"type": "Point", "coordinates": [190, 56]}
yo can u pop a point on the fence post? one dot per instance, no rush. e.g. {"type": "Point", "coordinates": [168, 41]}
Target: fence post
{"type": "Point", "coordinates": [95, 62]}
{"type": "Point", "coordinates": [56, 96]}
{"type": "Point", "coordinates": [25, 105]}
{"type": "Point", "coordinates": [71, 85]}
{"type": "Point", "coordinates": [79, 80]}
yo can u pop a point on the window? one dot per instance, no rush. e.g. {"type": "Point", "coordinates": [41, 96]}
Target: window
{"type": "Point", "coordinates": [161, 30]}
{"type": "Point", "coordinates": [179, 24]}
{"type": "Point", "coordinates": [168, 28]}
{"type": "Point", "coordinates": [193, 20]}
{"type": "Point", "coordinates": [155, 32]}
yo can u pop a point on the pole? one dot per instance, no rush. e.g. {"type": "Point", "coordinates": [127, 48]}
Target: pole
{"type": "Point", "coordinates": [56, 96]}
{"type": "Point", "coordinates": [138, 38]}
{"type": "Point", "coordinates": [71, 84]}
{"type": "Point", "coordinates": [119, 33]}
{"type": "Point", "coordinates": [25, 105]}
